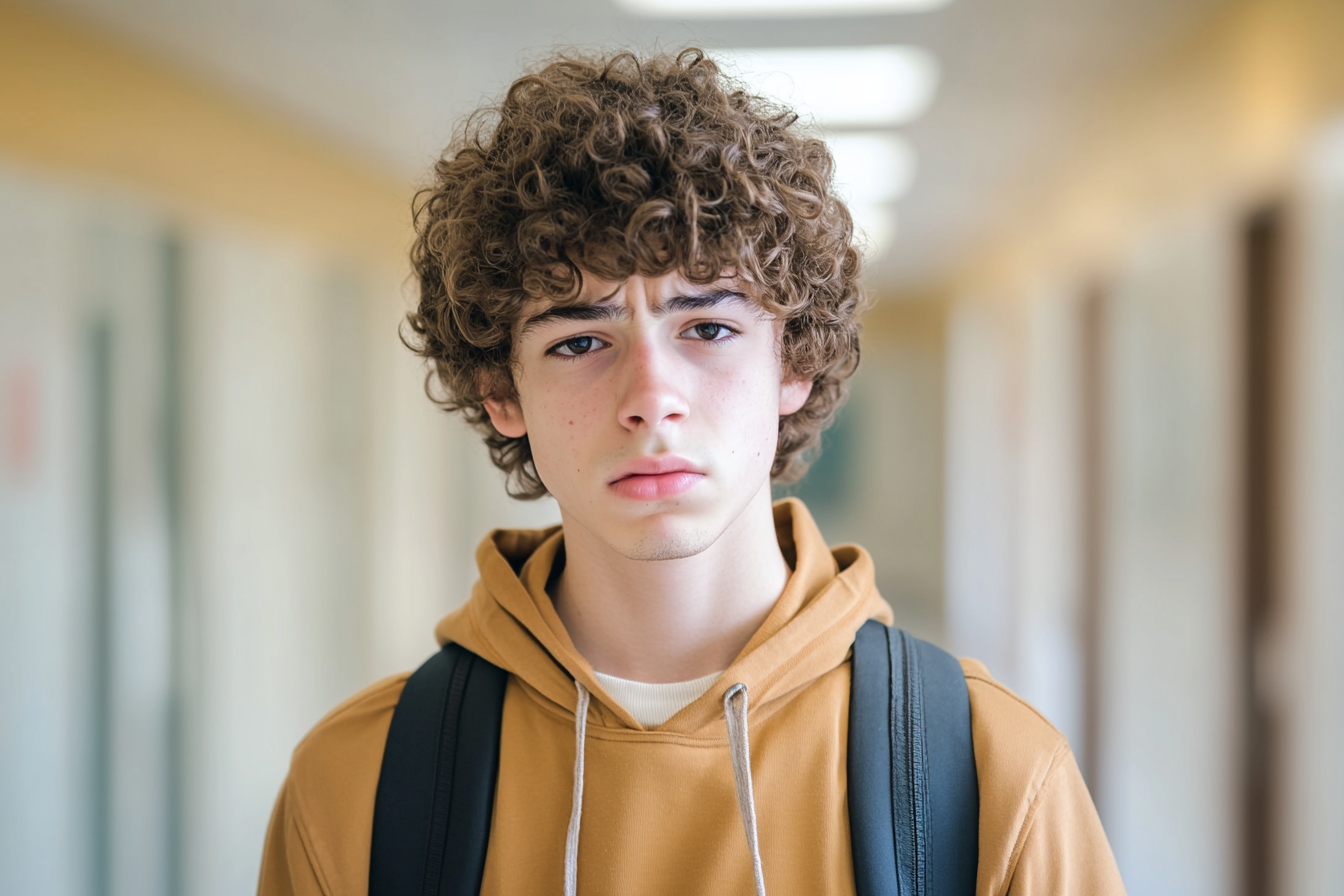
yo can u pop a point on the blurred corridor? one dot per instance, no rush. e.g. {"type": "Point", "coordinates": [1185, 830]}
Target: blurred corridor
{"type": "Point", "coordinates": [1097, 440]}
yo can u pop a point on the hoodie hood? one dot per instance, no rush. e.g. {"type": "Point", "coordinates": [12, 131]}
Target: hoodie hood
{"type": "Point", "coordinates": [510, 621]}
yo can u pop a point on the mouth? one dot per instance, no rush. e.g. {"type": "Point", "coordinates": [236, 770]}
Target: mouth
{"type": "Point", "coordinates": [651, 478]}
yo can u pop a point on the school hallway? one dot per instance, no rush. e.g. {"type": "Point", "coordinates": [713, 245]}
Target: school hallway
{"type": "Point", "coordinates": [1096, 440]}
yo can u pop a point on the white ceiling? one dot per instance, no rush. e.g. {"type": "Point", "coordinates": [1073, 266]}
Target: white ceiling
{"type": "Point", "coordinates": [388, 78]}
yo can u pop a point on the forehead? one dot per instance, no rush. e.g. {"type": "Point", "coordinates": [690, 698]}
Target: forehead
{"type": "Point", "coordinates": [595, 289]}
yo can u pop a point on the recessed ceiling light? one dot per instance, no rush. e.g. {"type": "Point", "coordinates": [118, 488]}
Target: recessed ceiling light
{"type": "Point", "coordinates": [841, 86]}
{"type": "Point", "coordinates": [745, 9]}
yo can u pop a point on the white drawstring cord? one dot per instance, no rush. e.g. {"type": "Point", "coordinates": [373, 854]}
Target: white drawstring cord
{"type": "Point", "coordinates": [576, 810]}
{"type": "Point", "coordinates": [735, 713]}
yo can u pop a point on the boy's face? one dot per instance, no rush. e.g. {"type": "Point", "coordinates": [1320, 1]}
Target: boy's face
{"type": "Point", "coordinates": [652, 409]}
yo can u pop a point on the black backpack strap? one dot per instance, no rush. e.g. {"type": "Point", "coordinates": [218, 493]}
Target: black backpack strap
{"type": "Point", "coordinates": [954, 785]}
{"type": "Point", "coordinates": [436, 789]}
{"type": "Point", "coordinates": [914, 796]}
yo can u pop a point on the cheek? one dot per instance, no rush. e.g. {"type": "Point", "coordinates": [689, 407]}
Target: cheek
{"type": "Point", "coordinates": [561, 422]}
{"type": "Point", "coordinates": [747, 409]}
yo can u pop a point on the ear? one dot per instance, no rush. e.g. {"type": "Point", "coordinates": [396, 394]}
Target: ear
{"type": "Point", "coordinates": [506, 416]}
{"type": "Point", "coordinates": [793, 395]}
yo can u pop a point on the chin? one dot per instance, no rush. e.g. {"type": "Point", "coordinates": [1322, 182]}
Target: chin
{"type": "Point", "coordinates": [670, 548]}
{"type": "Point", "coordinates": [663, 540]}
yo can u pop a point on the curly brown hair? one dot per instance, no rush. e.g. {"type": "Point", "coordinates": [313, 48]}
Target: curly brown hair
{"type": "Point", "coordinates": [619, 165]}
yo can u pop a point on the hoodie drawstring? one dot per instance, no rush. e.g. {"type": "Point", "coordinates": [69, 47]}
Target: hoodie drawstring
{"type": "Point", "coordinates": [576, 810]}
{"type": "Point", "coordinates": [735, 713]}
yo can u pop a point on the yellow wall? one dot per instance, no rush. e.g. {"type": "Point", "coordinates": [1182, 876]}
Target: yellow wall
{"type": "Point", "coordinates": [1220, 120]}
{"type": "Point", "coordinates": [74, 102]}
{"type": "Point", "coordinates": [906, 321]}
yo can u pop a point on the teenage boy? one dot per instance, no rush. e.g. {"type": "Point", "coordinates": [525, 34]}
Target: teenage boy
{"type": "Point", "coordinates": [638, 283]}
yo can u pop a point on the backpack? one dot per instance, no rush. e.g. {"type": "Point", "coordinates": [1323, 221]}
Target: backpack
{"type": "Point", "coordinates": [914, 798]}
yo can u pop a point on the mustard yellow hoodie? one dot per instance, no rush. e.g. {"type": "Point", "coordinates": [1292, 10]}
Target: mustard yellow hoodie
{"type": "Point", "coordinates": [660, 814]}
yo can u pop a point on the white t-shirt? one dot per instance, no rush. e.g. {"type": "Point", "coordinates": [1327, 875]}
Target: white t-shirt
{"type": "Point", "coordinates": [654, 704]}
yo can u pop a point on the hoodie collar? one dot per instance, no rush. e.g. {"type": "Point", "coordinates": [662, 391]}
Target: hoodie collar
{"type": "Point", "coordinates": [510, 621]}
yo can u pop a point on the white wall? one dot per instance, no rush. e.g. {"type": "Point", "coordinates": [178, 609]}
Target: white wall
{"type": "Point", "coordinates": [267, 620]}
{"type": "Point", "coordinates": [45, 676]}
{"type": "Point", "coordinates": [983, 459]}
{"type": "Point", "coordinates": [1167, 778]}
{"type": "Point", "coordinates": [1308, 649]}
{"type": "Point", "coordinates": [1014, 536]}
{"type": "Point", "coordinates": [1049, 533]}
{"type": "Point", "coordinates": [83, 799]}
{"type": "Point", "coordinates": [1168, 771]}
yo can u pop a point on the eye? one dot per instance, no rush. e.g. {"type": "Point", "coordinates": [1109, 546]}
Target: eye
{"type": "Point", "coordinates": [711, 332]}
{"type": "Point", "coordinates": [575, 346]}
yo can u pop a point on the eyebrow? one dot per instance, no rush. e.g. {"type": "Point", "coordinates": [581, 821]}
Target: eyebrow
{"type": "Point", "coordinates": [611, 310]}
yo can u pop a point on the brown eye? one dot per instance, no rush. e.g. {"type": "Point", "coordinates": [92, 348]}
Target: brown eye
{"type": "Point", "coordinates": [708, 332]}
{"type": "Point", "coordinates": [579, 345]}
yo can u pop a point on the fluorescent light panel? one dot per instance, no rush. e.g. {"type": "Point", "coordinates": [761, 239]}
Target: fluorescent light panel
{"type": "Point", "coordinates": [773, 9]}
{"type": "Point", "coordinates": [871, 172]}
{"type": "Point", "coordinates": [875, 227]}
{"type": "Point", "coordinates": [872, 168]}
{"type": "Point", "coordinates": [842, 86]}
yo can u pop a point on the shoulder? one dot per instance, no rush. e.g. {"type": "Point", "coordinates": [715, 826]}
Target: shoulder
{"type": "Point", "coordinates": [352, 733]}
{"type": "Point", "coordinates": [333, 782]}
{"type": "Point", "coordinates": [1017, 753]}
{"type": "Point", "coordinates": [1013, 741]}
{"type": "Point", "coordinates": [1039, 831]}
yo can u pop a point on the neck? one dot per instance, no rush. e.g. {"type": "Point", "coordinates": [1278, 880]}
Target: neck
{"type": "Point", "coordinates": [671, 620]}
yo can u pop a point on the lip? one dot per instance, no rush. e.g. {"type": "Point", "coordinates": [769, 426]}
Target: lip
{"type": "Point", "coordinates": [651, 478]}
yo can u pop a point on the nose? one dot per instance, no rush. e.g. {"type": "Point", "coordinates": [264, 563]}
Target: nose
{"type": "Point", "coordinates": [651, 394]}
